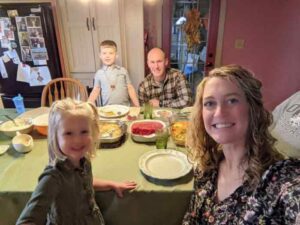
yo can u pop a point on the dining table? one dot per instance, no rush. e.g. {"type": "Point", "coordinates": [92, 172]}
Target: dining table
{"type": "Point", "coordinates": [153, 201]}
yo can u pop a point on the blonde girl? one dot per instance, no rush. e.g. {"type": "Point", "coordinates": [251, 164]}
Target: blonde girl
{"type": "Point", "coordinates": [65, 194]}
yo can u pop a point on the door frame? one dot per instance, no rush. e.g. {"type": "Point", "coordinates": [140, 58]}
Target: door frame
{"type": "Point", "coordinates": [167, 27]}
{"type": "Point", "coordinates": [212, 36]}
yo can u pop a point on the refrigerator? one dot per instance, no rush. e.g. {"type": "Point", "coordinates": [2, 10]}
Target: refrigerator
{"type": "Point", "coordinates": [28, 29]}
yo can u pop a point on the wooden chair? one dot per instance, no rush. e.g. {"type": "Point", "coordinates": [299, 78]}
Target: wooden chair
{"type": "Point", "coordinates": [61, 88]}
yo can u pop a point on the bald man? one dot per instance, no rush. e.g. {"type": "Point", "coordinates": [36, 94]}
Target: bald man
{"type": "Point", "coordinates": [164, 87]}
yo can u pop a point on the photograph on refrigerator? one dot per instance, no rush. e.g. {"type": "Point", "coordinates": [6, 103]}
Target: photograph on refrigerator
{"type": "Point", "coordinates": [29, 54]}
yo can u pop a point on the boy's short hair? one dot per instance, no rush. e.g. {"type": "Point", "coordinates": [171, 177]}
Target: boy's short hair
{"type": "Point", "coordinates": [108, 43]}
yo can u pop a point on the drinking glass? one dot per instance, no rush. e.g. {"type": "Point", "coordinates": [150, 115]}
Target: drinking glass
{"type": "Point", "coordinates": [148, 110]}
{"type": "Point", "coordinates": [162, 136]}
{"type": "Point", "coordinates": [19, 103]}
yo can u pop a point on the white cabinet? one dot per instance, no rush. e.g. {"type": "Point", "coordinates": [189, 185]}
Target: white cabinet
{"type": "Point", "coordinates": [85, 25]}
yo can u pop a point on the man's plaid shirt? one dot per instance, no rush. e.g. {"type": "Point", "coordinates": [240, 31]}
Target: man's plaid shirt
{"type": "Point", "coordinates": [174, 92]}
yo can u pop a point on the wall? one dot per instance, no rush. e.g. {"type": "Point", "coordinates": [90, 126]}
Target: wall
{"type": "Point", "coordinates": [271, 49]}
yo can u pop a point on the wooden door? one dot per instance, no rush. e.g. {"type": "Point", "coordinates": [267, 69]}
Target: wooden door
{"type": "Point", "coordinates": [77, 25]}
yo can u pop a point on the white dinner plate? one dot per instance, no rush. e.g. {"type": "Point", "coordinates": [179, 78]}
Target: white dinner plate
{"type": "Point", "coordinates": [113, 111]}
{"type": "Point", "coordinates": [3, 149]}
{"type": "Point", "coordinates": [164, 164]}
{"type": "Point", "coordinates": [162, 113]}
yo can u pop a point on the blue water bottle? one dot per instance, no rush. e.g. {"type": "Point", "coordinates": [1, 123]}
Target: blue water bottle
{"type": "Point", "coordinates": [19, 103]}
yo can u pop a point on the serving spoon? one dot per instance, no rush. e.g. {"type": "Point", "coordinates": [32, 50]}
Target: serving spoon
{"type": "Point", "coordinates": [108, 134]}
{"type": "Point", "coordinates": [11, 119]}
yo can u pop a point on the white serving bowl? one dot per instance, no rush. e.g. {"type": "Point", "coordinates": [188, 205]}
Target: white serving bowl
{"type": "Point", "coordinates": [10, 129]}
{"type": "Point", "coordinates": [22, 143]}
{"type": "Point", "coordinates": [41, 123]}
{"type": "Point", "coordinates": [144, 138]}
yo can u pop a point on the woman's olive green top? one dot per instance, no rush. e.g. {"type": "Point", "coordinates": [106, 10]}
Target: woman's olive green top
{"type": "Point", "coordinates": [64, 196]}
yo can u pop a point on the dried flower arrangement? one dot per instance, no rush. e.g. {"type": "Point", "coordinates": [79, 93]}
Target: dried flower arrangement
{"type": "Point", "coordinates": [192, 29]}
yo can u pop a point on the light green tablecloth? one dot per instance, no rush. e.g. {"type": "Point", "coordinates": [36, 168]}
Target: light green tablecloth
{"type": "Point", "coordinates": [152, 202]}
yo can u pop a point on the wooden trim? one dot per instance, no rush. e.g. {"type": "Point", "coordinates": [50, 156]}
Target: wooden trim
{"type": "Point", "coordinates": [166, 26]}
{"type": "Point", "coordinates": [212, 35]}
{"type": "Point", "coordinates": [218, 60]}
{"type": "Point", "coordinates": [58, 31]}
{"type": "Point", "coordinates": [1, 102]}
